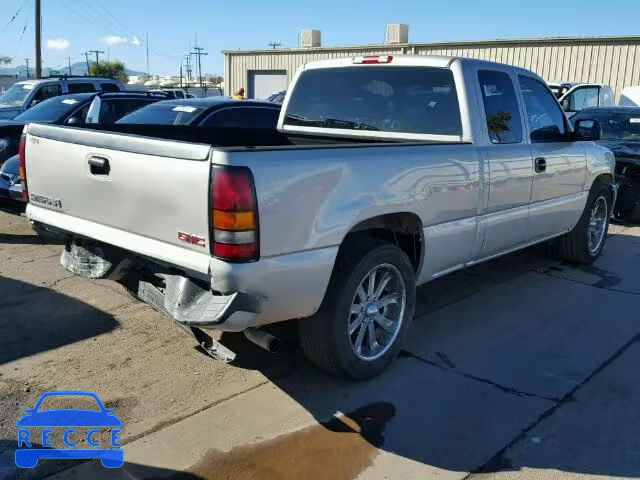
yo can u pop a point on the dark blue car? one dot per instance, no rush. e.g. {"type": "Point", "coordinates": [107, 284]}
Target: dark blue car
{"type": "Point", "coordinates": [28, 457]}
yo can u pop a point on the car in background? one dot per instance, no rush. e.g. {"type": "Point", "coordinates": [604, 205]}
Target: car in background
{"type": "Point", "coordinates": [576, 96]}
{"type": "Point", "coordinates": [277, 97]}
{"type": "Point", "coordinates": [28, 93]}
{"type": "Point", "coordinates": [630, 97]}
{"type": "Point", "coordinates": [79, 109]}
{"type": "Point", "coordinates": [222, 112]}
{"type": "Point", "coordinates": [620, 133]}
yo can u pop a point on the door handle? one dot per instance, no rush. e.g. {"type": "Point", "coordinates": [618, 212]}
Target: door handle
{"type": "Point", "coordinates": [540, 164]}
{"type": "Point", "coordinates": [99, 166]}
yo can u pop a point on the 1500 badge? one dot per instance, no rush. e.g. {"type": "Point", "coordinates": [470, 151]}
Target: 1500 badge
{"type": "Point", "coordinates": [52, 202]}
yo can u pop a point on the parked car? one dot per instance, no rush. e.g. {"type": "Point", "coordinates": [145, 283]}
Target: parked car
{"type": "Point", "coordinates": [277, 97]}
{"type": "Point", "coordinates": [28, 93]}
{"type": "Point", "coordinates": [620, 133]}
{"type": "Point", "coordinates": [219, 112]}
{"type": "Point", "coordinates": [78, 110]}
{"type": "Point", "coordinates": [630, 97]}
{"type": "Point", "coordinates": [576, 96]}
{"type": "Point", "coordinates": [393, 171]}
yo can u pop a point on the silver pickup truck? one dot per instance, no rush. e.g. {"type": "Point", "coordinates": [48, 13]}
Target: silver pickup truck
{"type": "Point", "coordinates": [393, 171]}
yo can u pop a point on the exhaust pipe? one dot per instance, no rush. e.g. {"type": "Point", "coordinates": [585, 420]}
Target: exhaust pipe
{"type": "Point", "coordinates": [263, 339]}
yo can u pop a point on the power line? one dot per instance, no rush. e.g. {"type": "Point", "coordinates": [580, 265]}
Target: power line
{"type": "Point", "coordinates": [15, 15]}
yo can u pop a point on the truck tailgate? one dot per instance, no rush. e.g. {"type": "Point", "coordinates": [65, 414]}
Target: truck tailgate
{"type": "Point", "coordinates": [145, 195]}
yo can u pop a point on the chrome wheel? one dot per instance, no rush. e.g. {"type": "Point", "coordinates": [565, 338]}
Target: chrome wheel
{"type": "Point", "coordinates": [597, 225]}
{"type": "Point", "coordinates": [377, 311]}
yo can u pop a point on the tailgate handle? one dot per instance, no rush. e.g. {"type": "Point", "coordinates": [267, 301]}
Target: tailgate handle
{"type": "Point", "coordinates": [99, 166]}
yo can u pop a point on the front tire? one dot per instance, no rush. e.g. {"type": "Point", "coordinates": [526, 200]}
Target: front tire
{"type": "Point", "coordinates": [585, 242]}
{"type": "Point", "coordinates": [366, 313]}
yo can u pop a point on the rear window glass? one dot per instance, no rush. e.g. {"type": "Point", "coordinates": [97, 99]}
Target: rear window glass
{"type": "Point", "coordinates": [378, 98]}
{"type": "Point", "coordinates": [81, 87]}
{"type": "Point", "coordinates": [163, 114]}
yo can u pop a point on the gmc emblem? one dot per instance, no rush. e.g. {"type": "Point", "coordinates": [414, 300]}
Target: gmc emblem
{"type": "Point", "coordinates": [196, 240]}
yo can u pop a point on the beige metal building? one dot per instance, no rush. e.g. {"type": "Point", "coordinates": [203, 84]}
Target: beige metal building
{"type": "Point", "coordinates": [611, 60]}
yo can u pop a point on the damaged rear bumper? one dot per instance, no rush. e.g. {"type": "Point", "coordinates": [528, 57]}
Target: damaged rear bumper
{"type": "Point", "coordinates": [186, 300]}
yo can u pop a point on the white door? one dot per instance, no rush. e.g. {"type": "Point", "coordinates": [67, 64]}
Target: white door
{"type": "Point", "coordinates": [263, 83]}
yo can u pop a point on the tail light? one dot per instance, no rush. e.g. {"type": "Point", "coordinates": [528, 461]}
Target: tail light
{"type": "Point", "coordinates": [22, 167]}
{"type": "Point", "coordinates": [235, 217]}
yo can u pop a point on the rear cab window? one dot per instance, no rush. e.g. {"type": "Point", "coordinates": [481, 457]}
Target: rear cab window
{"type": "Point", "coordinates": [262, 118]}
{"type": "Point", "coordinates": [394, 99]}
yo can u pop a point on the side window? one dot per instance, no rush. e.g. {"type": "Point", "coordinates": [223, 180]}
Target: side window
{"type": "Point", "coordinates": [547, 122]}
{"type": "Point", "coordinates": [113, 110]}
{"type": "Point", "coordinates": [81, 87]}
{"type": "Point", "coordinates": [261, 118]}
{"type": "Point", "coordinates": [79, 116]}
{"type": "Point", "coordinates": [109, 87]}
{"type": "Point", "coordinates": [47, 91]}
{"type": "Point", "coordinates": [500, 106]}
{"type": "Point", "coordinates": [581, 98]}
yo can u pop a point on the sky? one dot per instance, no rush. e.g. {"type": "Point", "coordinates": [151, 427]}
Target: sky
{"type": "Point", "coordinates": [119, 27]}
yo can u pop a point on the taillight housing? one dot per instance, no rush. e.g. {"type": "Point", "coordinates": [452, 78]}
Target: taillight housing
{"type": "Point", "coordinates": [373, 60]}
{"type": "Point", "coordinates": [234, 213]}
{"type": "Point", "coordinates": [22, 167]}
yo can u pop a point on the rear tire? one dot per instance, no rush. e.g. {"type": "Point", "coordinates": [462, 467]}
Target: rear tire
{"type": "Point", "coordinates": [325, 337]}
{"type": "Point", "coordinates": [585, 242]}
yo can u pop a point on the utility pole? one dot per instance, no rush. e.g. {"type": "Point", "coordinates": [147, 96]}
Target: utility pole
{"type": "Point", "coordinates": [188, 59]}
{"type": "Point", "coordinates": [86, 57]}
{"type": "Point", "coordinates": [198, 52]}
{"type": "Point", "coordinates": [147, 45]}
{"type": "Point", "coordinates": [27, 60]}
{"type": "Point", "coordinates": [97, 52]}
{"type": "Point", "coordinates": [38, 41]}
{"type": "Point", "coordinates": [275, 45]}
{"type": "Point", "coordinates": [69, 60]}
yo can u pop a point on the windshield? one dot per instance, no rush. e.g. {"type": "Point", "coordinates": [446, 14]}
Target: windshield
{"type": "Point", "coordinates": [419, 100]}
{"type": "Point", "coordinates": [51, 110]}
{"type": "Point", "coordinates": [162, 114]}
{"type": "Point", "coordinates": [16, 95]}
{"type": "Point", "coordinates": [615, 125]}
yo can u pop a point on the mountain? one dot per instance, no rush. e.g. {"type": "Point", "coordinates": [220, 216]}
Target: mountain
{"type": "Point", "coordinates": [78, 68]}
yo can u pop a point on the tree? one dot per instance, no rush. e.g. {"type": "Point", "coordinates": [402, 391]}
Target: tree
{"type": "Point", "coordinates": [4, 60]}
{"type": "Point", "coordinates": [114, 69]}
{"type": "Point", "coordinates": [215, 79]}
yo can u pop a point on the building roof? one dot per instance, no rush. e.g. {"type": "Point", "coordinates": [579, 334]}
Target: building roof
{"type": "Point", "coordinates": [458, 44]}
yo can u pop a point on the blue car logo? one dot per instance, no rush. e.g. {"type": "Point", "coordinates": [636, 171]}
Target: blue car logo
{"type": "Point", "coordinates": [27, 457]}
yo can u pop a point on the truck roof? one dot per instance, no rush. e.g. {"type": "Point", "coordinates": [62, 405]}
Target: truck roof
{"type": "Point", "coordinates": [437, 61]}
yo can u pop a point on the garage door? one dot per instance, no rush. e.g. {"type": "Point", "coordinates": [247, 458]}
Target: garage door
{"type": "Point", "coordinates": [263, 83]}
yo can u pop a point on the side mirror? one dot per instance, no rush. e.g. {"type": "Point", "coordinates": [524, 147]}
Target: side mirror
{"type": "Point", "coordinates": [73, 121]}
{"type": "Point", "coordinates": [586, 130]}
{"type": "Point", "coordinates": [33, 103]}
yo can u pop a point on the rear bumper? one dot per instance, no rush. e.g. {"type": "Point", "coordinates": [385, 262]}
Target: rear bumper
{"type": "Point", "coordinates": [236, 296]}
{"type": "Point", "coordinates": [12, 192]}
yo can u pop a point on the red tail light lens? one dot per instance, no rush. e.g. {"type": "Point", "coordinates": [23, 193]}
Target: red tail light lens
{"type": "Point", "coordinates": [22, 167]}
{"type": "Point", "coordinates": [234, 233]}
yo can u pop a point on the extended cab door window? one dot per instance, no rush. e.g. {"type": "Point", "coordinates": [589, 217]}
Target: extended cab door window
{"type": "Point", "coordinates": [500, 106]}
